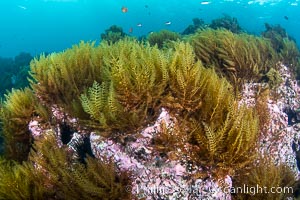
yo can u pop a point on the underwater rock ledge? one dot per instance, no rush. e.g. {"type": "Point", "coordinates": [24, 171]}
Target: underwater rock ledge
{"type": "Point", "coordinates": [157, 177]}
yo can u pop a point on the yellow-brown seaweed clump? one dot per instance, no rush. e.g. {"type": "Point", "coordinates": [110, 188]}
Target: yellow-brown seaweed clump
{"type": "Point", "coordinates": [240, 57]}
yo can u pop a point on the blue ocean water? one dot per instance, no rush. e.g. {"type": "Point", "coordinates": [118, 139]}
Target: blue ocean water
{"type": "Point", "coordinates": [37, 26]}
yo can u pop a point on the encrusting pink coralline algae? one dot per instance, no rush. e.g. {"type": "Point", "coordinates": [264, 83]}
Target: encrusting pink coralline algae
{"type": "Point", "coordinates": [158, 178]}
{"type": "Point", "coordinates": [154, 178]}
{"type": "Point", "coordinates": [280, 137]}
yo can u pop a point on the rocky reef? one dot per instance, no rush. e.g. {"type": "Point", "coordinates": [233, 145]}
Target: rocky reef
{"type": "Point", "coordinates": [129, 120]}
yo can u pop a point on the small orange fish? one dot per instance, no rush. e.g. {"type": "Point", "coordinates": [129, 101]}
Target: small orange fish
{"type": "Point", "coordinates": [124, 9]}
{"type": "Point", "coordinates": [130, 30]}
